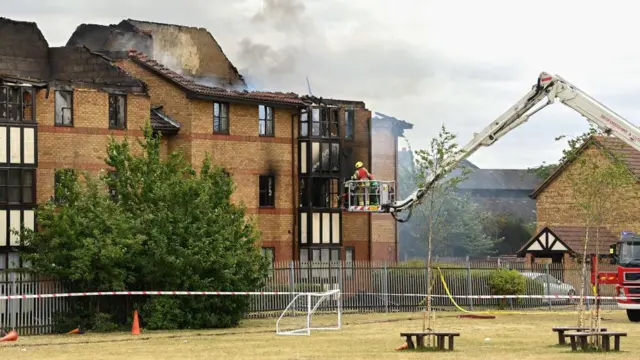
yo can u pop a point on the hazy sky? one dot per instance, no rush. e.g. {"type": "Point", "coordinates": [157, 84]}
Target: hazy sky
{"type": "Point", "coordinates": [461, 63]}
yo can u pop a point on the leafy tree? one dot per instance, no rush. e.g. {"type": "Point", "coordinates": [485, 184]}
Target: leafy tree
{"type": "Point", "coordinates": [596, 184]}
{"type": "Point", "coordinates": [164, 226]}
{"type": "Point", "coordinates": [437, 160]}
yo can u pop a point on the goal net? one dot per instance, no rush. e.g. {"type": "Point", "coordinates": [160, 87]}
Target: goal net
{"type": "Point", "coordinates": [309, 312]}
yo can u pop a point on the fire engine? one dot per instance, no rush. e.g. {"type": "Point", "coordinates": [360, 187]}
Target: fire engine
{"type": "Point", "coordinates": [379, 196]}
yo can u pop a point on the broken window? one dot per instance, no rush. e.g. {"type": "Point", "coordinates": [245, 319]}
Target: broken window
{"type": "Point", "coordinates": [267, 191]}
{"type": "Point", "coordinates": [303, 197]}
{"type": "Point", "coordinates": [16, 103]}
{"type": "Point", "coordinates": [333, 123]}
{"type": "Point", "coordinates": [304, 123]}
{"type": "Point", "coordinates": [64, 108]}
{"type": "Point", "coordinates": [117, 111]}
{"type": "Point", "coordinates": [325, 193]}
{"type": "Point", "coordinates": [220, 118]}
{"type": "Point", "coordinates": [17, 186]}
{"type": "Point", "coordinates": [349, 124]}
{"type": "Point", "coordinates": [315, 121]}
{"type": "Point", "coordinates": [325, 157]}
{"type": "Point", "coordinates": [265, 120]}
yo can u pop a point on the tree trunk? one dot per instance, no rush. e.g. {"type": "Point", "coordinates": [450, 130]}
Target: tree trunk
{"type": "Point", "coordinates": [582, 282]}
{"type": "Point", "coordinates": [427, 314]}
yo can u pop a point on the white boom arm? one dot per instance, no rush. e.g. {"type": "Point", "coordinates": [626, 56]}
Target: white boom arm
{"type": "Point", "coordinates": [550, 87]}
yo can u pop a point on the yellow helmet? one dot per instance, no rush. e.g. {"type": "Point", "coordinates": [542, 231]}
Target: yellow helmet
{"type": "Point", "coordinates": [359, 165]}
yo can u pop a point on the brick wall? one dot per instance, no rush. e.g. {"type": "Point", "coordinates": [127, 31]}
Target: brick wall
{"type": "Point", "coordinates": [384, 152]}
{"type": "Point", "coordinates": [84, 145]}
{"type": "Point", "coordinates": [556, 207]}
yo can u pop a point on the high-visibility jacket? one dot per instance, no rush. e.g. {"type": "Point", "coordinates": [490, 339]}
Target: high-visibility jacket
{"type": "Point", "coordinates": [362, 174]}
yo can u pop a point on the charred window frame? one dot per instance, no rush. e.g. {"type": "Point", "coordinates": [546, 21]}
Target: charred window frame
{"type": "Point", "coordinates": [304, 123]}
{"type": "Point", "coordinates": [265, 120]}
{"type": "Point", "coordinates": [117, 111]}
{"type": "Point", "coordinates": [16, 104]}
{"type": "Point", "coordinates": [57, 182]}
{"type": "Point", "coordinates": [325, 122]}
{"type": "Point", "coordinates": [267, 191]}
{"type": "Point", "coordinates": [349, 124]}
{"type": "Point", "coordinates": [18, 186]}
{"type": "Point", "coordinates": [220, 118]}
{"type": "Point", "coordinates": [325, 194]}
{"type": "Point", "coordinates": [64, 108]}
{"type": "Point", "coordinates": [325, 158]}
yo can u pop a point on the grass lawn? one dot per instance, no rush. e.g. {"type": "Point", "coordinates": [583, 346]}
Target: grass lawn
{"type": "Point", "coordinates": [375, 336]}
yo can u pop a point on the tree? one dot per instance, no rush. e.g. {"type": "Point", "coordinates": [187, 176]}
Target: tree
{"type": "Point", "coordinates": [596, 183]}
{"type": "Point", "coordinates": [510, 232]}
{"type": "Point", "coordinates": [163, 226]}
{"type": "Point", "coordinates": [437, 159]}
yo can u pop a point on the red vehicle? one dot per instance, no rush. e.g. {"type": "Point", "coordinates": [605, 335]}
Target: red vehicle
{"type": "Point", "coordinates": [626, 254]}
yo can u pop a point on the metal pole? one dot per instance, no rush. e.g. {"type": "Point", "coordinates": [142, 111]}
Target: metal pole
{"type": "Point", "coordinates": [385, 285]}
{"type": "Point", "coordinates": [469, 284]}
{"type": "Point", "coordinates": [546, 269]}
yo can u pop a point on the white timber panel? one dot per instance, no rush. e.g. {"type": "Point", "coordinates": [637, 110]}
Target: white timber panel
{"type": "Point", "coordinates": [29, 145]}
{"type": "Point", "coordinates": [14, 224]}
{"type": "Point", "coordinates": [326, 228]}
{"type": "Point", "coordinates": [15, 145]}
{"type": "Point", "coordinates": [315, 221]}
{"type": "Point", "coordinates": [335, 224]}
{"type": "Point", "coordinates": [303, 228]}
{"type": "Point", "coordinates": [3, 144]}
{"type": "Point", "coordinates": [3, 227]}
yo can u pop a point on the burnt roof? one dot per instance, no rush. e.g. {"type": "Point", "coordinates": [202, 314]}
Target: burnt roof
{"type": "Point", "coordinates": [93, 36]}
{"type": "Point", "coordinates": [24, 52]}
{"type": "Point", "coordinates": [78, 64]}
{"type": "Point", "coordinates": [611, 145]}
{"type": "Point", "coordinates": [162, 122]}
{"type": "Point", "coordinates": [208, 92]}
{"type": "Point", "coordinates": [398, 125]}
{"type": "Point", "coordinates": [500, 179]}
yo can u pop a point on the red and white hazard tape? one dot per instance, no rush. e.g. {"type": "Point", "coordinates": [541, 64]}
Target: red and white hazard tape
{"type": "Point", "coordinates": [263, 293]}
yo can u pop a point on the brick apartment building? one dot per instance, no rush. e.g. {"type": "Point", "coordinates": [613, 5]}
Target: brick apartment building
{"type": "Point", "coordinates": [560, 231]}
{"type": "Point", "coordinates": [287, 154]}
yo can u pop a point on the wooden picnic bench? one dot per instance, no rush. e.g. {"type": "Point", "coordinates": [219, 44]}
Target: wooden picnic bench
{"type": "Point", "coordinates": [605, 336]}
{"type": "Point", "coordinates": [561, 331]}
{"type": "Point", "coordinates": [440, 336]}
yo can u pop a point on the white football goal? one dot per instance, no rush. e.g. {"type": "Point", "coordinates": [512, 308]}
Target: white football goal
{"type": "Point", "coordinates": [311, 312]}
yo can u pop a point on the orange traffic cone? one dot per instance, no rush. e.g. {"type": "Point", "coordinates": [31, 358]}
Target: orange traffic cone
{"type": "Point", "coordinates": [75, 331]}
{"type": "Point", "coordinates": [403, 347]}
{"type": "Point", "coordinates": [135, 329]}
{"type": "Point", "coordinates": [11, 336]}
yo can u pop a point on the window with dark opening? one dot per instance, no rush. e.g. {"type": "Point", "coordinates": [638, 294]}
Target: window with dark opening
{"type": "Point", "coordinates": [304, 123]}
{"type": "Point", "coordinates": [17, 186]}
{"type": "Point", "coordinates": [16, 104]}
{"type": "Point", "coordinates": [325, 193]}
{"type": "Point", "coordinates": [64, 108]}
{"type": "Point", "coordinates": [325, 157]}
{"type": "Point", "coordinates": [117, 111]}
{"type": "Point", "coordinates": [349, 124]}
{"type": "Point", "coordinates": [265, 120]}
{"type": "Point", "coordinates": [333, 123]}
{"type": "Point", "coordinates": [61, 178]}
{"type": "Point", "coordinates": [220, 118]}
{"type": "Point", "coordinates": [267, 191]}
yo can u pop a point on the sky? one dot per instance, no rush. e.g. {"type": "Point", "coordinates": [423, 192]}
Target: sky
{"type": "Point", "coordinates": [451, 62]}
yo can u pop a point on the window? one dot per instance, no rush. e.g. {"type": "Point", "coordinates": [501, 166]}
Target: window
{"type": "Point", "coordinates": [325, 157]}
{"type": "Point", "coordinates": [60, 178]}
{"type": "Point", "coordinates": [17, 186]}
{"type": "Point", "coordinates": [349, 124]}
{"type": "Point", "coordinates": [267, 191]}
{"type": "Point", "coordinates": [117, 111]}
{"type": "Point", "coordinates": [16, 104]}
{"type": "Point", "coordinates": [269, 253]}
{"type": "Point", "coordinates": [265, 119]}
{"type": "Point", "coordinates": [325, 194]}
{"type": "Point", "coordinates": [64, 108]}
{"type": "Point", "coordinates": [349, 258]}
{"type": "Point", "coordinates": [220, 118]}
{"type": "Point", "coordinates": [304, 123]}
{"type": "Point", "coordinates": [324, 256]}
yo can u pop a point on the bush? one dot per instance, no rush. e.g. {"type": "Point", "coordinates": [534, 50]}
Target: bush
{"type": "Point", "coordinates": [507, 282]}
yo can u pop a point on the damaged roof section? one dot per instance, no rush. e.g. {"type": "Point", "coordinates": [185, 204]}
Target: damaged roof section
{"type": "Point", "coordinates": [163, 123]}
{"type": "Point", "coordinates": [78, 64]}
{"type": "Point", "coordinates": [195, 90]}
{"type": "Point", "coordinates": [399, 126]}
{"type": "Point", "coordinates": [24, 52]}
{"type": "Point", "coordinates": [190, 51]}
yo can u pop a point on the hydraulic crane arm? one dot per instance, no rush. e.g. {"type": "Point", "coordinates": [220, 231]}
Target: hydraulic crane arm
{"type": "Point", "coordinates": [549, 87]}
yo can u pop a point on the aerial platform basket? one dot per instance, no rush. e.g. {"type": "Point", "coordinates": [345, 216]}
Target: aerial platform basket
{"type": "Point", "coordinates": [370, 196]}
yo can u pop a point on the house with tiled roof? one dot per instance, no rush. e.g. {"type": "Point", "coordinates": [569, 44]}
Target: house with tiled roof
{"type": "Point", "coordinates": [560, 228]}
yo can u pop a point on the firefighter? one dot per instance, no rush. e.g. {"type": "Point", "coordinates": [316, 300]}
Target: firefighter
{"type": "Point", "coordinates": [365, 178]}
